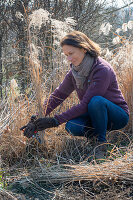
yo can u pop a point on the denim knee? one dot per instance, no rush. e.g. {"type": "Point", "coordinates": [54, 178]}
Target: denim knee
{"type": "Point", "coordinates": [74, 129]}
{"type": "Point", "coordinates": [95, 103]}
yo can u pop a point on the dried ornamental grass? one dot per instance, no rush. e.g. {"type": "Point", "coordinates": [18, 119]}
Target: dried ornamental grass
{"type": "Point", "coordinates": [123, 65]}
{"type": "Point", "coordinates": [16, 114]}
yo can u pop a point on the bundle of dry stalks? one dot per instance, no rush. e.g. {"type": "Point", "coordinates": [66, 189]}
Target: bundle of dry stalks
{"type": "Point", "coordinates": [121, 169]}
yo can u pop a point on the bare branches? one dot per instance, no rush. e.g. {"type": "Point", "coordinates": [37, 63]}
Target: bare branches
{"type": "Point", "coordinates": [115, 10]}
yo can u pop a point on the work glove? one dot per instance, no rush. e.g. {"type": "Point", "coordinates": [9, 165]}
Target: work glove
{"type": "Point", "coordinates": [46, 122]}
{"type": "Point", "coordinates": [30, 128]}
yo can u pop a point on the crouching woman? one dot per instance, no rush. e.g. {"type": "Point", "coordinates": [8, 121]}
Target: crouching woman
{"type": "Point", "coordinates": [102, 106]}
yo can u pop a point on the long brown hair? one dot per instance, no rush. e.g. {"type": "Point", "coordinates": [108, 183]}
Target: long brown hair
{"type": "Point", "coordinates": [80, 40]}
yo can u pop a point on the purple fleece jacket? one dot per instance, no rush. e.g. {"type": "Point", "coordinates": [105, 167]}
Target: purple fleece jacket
{"type": "Point", "coordinates": [101, 81]}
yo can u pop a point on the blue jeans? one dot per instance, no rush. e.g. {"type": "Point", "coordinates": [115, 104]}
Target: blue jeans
{"type": "Point", "coordinates": [102, 115]}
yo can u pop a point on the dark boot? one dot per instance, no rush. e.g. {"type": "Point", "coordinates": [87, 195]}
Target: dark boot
{"type": "Point", "coordinates": [99, 152]}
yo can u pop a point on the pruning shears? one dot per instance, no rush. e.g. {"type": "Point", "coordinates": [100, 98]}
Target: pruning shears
{"type": "Point", "coordinates": [36, 134]}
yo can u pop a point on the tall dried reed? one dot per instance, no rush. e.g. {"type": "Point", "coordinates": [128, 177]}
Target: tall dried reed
{"type": "Point", "coordinates": [123, 65]}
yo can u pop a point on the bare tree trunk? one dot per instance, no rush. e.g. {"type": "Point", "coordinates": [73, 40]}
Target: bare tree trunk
{"type": "Point", "coordinates": [1, 73]}
{"type": "Point", "coordinates": [22, 54]}
{"type": "Point", "coordinates": [20, 6]}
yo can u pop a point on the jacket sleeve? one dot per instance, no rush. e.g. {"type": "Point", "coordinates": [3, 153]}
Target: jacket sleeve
{"type": "Point", "coordinates": [97, 87]}
{"type": "Point", "coordinates": [60, 94]}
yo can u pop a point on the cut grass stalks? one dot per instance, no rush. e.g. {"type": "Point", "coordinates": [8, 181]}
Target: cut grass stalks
{"type": "Point", "coordinates": [119, 169]}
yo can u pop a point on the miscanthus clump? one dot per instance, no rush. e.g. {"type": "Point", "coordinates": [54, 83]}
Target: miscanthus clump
{"type": "Point", "coordinates": [119, 52]}
{"type": "Point", "coordinates": [58, 28]}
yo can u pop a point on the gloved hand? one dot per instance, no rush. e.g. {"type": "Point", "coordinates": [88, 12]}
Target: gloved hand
{"type": "Point", "coordinates": [46, 122]}
{"type": "Point", "coordinates": [29, 129]}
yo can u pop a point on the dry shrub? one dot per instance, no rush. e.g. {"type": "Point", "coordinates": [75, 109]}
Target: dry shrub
{"type": "Point", "coordinates": [12, 141]}
{"type": "Point", "coordinates": [65, 148]}
{"type": "Point", "coordinates": [12, 146]}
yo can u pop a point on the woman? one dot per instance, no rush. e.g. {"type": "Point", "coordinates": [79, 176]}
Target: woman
{"type": "Point", "coordinates": [102, 106]}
